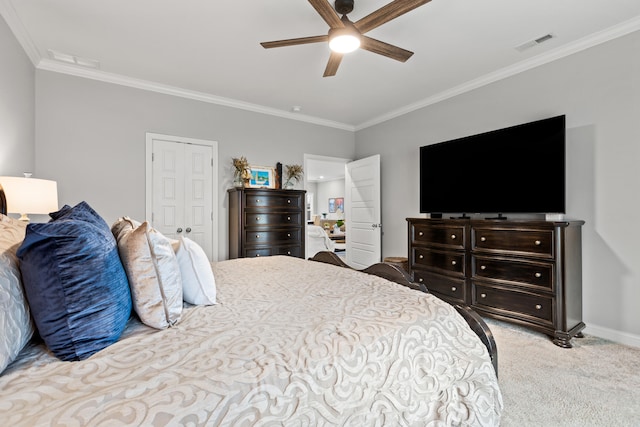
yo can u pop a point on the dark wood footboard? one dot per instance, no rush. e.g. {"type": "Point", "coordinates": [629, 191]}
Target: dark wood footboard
{"type": "Point", "coordinates": [395, 274]}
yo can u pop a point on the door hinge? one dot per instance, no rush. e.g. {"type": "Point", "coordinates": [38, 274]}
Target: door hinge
{"type": "Point", "coordinates": [152, 217]}
{"type": "Point", "coordinates": [153, 156]}
{"type": "Point", "coordinates": [211, 162]}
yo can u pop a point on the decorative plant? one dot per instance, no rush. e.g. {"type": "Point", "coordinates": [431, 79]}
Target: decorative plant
{"type": "Point", "coordinates": [242, 170]}
{"type": "Point", "coordinates": [292, 173]}
{"type": "Point", "coordinates": [339, 223]}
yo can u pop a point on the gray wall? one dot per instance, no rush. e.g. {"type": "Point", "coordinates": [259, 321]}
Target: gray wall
{"type": "Point", "coordinates": [599, 91]}
{"type": "Point", "coordinates": [91, 139]}
{"type": "Point", "coordinates": [17, 107]}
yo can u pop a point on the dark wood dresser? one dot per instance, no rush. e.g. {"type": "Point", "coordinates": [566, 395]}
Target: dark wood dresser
{"type": "Point", "coordinates": [525, 272]}
{"type": "Point", "coordinates": [265, 222]}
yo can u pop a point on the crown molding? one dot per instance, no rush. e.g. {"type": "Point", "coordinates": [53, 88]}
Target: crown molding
{"type": "Point", "coordinates": [9, 14]}
{"type": "Point", "coordinates": [103, 76]}
{"type": "Point", "coordinates": [579, 45]}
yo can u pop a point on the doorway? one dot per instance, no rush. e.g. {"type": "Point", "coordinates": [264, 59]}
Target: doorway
{"type": "Point", "coordinates": [181, 187]}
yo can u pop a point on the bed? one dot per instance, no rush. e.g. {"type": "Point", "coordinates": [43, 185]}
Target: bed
{"type": "Point", "coordinates": [289, 342]}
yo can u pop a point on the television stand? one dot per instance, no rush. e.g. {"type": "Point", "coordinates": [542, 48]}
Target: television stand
{"type": "Point", "coordinates": [464, 216]}
{"type": "Point", "coordinates": [528, 272]}
{"type": "Point", "coordinates": [500, 217]}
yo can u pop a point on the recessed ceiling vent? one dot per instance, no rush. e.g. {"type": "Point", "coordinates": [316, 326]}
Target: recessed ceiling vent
{"type": "Point", "coordinates": [535, 42]}
{"type": "Point", "coordinates": [73, 59]}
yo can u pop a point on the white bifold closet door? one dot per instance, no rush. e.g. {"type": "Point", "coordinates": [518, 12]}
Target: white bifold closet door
{"type": "Point", "coordinates": [182, 202]}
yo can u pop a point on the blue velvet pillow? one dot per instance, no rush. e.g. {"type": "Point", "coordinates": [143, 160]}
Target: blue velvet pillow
{"type": "Point", "coordinates": [75, 283]}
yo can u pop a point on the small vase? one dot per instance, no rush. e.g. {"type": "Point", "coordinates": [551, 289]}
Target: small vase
{"type": "Point", "coordinates": [238, 182]}
{"type": "Point", "coordinates": [288, 185]}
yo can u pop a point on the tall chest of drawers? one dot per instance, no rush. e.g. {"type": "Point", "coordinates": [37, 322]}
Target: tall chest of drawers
{"type": "Point", "coordinates": [265, 222]}
{"type": "Point", "coordinates": [526, 272]}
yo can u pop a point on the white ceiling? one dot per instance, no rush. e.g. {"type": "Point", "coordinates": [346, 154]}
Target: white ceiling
{"type": "Point", "coordinates": [209, 50]}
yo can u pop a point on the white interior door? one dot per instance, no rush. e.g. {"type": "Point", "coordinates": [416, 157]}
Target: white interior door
{"type": "Point", "coordinates": [362, 212]}
{"type": "Point", "coordinates": [181, 190]}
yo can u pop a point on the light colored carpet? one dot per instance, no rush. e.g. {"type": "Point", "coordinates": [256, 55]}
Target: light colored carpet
{"type": "Point", "coordinates": [595, 383]}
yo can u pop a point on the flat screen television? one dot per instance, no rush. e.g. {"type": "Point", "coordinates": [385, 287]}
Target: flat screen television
{"type": "Point", "coordinates": [519, 169]}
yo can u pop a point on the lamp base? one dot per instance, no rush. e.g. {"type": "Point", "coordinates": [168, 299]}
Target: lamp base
{"type": "Point", "coordinates": [24, 217]}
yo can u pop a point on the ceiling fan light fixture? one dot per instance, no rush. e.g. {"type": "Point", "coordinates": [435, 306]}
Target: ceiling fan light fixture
{"type": "Point", "coordinates": [344, 40]}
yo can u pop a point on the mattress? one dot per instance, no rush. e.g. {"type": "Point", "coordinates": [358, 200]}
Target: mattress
{"type": "Point", "coordinates": [290, 342]}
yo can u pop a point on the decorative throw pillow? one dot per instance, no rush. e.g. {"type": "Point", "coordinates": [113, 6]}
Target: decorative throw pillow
{"type": "Point", "coordinates": [198, 283]}
{"type": "Point", "coordinates": [75, 284]}
{"type": "Point", "coordinates": [153, 272]}
{"type": "Point", "coordinates": [16, 327]}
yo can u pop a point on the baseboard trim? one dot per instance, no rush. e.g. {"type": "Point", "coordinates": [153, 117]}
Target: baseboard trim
{"type": "Point", "coordinates": [620, 337]}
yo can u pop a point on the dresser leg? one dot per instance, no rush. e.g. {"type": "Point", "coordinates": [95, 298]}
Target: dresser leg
{"type": "Point", "coordinates": [562, 340]}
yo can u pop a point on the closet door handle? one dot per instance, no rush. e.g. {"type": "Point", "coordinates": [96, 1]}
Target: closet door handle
{"type": "Point", "coordinates": [188, 230]}
{"type": "Point", "coordinates": [179, 230]}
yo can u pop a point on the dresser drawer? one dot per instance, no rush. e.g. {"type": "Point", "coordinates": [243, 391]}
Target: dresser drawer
{"type": "Point", "coordinates": [439, 235]}
{"type": "Point", "coordinates": [253, 219]}
{"type": "Point", "coordinates": [266, 200]}
{"type": "Point", "coordinates": [443, 261]}
{"type": "Point", "coordinates": [272, 237]}
{"type": "Point", "coordinates": [451, 288]}
{"type": "Point", "coordinates": [295, 251]}
{"type": "Point", "coordinates": [499, 300]}
{"type": "Point", "coordinates": [530, 273]}
{"type": "Point", "coordinates": [523, 242]}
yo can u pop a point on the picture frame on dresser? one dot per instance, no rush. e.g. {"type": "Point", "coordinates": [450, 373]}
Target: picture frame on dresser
{"type": "Point", "coordinates": [262, 177]}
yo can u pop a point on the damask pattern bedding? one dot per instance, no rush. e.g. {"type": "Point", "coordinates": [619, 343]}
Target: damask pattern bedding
{"type": "Point", "coordinates": [290, 342]}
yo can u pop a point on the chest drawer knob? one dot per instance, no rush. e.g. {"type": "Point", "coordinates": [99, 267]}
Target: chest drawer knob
{"type": "Point", "coordinates": [453, 289]}
{"type": "Point", "coordinates": [538, 275]}
{"type": "Point", "coordinates": [483, 295]}
{"type": "Point", "coordinates": [483, 267]}
{"type": "Point", "coordinates": [421, 234]}
{"type": "Point", "coordinates": [289, 201]}
{"type": "Point", "coordinates": [257, 218]}
{"type": "Point", "coordinates": [288, 252]}
{"type": "Point", "coordinates": [257, 200]}
{"type": "Point", "coordinates": [288, 234]}
{"type": "Point", "coordinates": [483, 239]}
{"type": "Point", "coordinates": [453, 237]}
{"type": "Point", "coordinates": [538, 307]}
{"type": "Point", "coordinates": [288, 218]}
{"type": "Point", "coordinates": [257, 255]}
{"type": "Point", "coordinates": [421, 280]}
{"type": "Point", "coordinates": [421, 256]}
{"type": "Point", "coordinates": [538, 242]}
{"type": "Point", "coordinates": [257, 236]}
{"type": "Point", "coordinates": [453, 263]}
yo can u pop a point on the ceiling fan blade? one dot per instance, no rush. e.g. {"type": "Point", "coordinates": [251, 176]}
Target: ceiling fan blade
{"type": "Point", "coordinates": [333, 64]}
{"type": "Point", "coordinates": [293, 42]}
{"type": "Point", "coordinates": [385, 49]}
{"type": "Point", "coordinates": [387, 13]}
{"type": "Point", "coordinates": [327, 12]}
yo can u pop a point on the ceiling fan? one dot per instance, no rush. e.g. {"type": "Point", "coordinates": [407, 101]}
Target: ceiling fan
{"type": "Point", "coordinates": [345, 36]}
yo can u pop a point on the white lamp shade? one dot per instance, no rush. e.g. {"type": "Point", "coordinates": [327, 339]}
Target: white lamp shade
{"type": "Point", "coordinates": [30, 195]}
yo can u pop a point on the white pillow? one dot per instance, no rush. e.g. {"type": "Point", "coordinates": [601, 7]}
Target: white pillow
{"type": "Point", "coordinates": [16, 327]}
{"type": "Point", "coordinates": [153, 272]}
{"type": "Point", "coordinates": [198, 283]}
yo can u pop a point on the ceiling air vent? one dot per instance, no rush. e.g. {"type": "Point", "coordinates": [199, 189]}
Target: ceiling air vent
{"type": "Point", "coordinates": [531, 43]}
{"type": "Point", "coordinates": [73, 59]}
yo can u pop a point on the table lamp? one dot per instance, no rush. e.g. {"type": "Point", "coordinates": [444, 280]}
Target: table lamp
{"type": "Point", "coordinates": [26, 195]}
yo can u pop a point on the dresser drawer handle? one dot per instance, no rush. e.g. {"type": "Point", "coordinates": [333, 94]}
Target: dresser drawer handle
{"type": "Point", "coordinates": [288, 218]}
{"type": "Point", "coordinates": [483, 239]}
{"type": "Point", "coordinates": [538, 242]}
{"type": "Point", "coordinates": [257, 236]}
{"type": "Point", "coordinates": [257, 255]}
{"type": "Point", "coordinates": [288, 252]}
{"type": "Point", "coordinates": [421, 234]}
{"type": "Point", "coordinates": [288, 234]}
{"type": "Point", "coordinates": [421, 256]}
{"type": "Point", "coordinates": [453, 263]}
{"type": "Point", "coordinates": [288, 201]}
{"type": "Point", "coordinates": [483, 295]}
{"type": "Point", "coordinates": [453, 289]}
{"type": "Point", "coordinates": [453, 237]}
{"type": "Point", "coordinates": [483, 267]}
{"type": "Point", "coordinates": [257, 218]}
{"type": "Point", "coordinates": [421, 280]}
{"type": "Point", "coordinates": [538, 307]}
{"type": "Point", "coordinates": [257, 200]}
{"type": "Point", "coordinates": [538, 275]}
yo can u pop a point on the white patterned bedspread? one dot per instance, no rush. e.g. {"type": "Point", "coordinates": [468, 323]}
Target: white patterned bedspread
{"type": "Point", "coordinates": [291, 342]}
